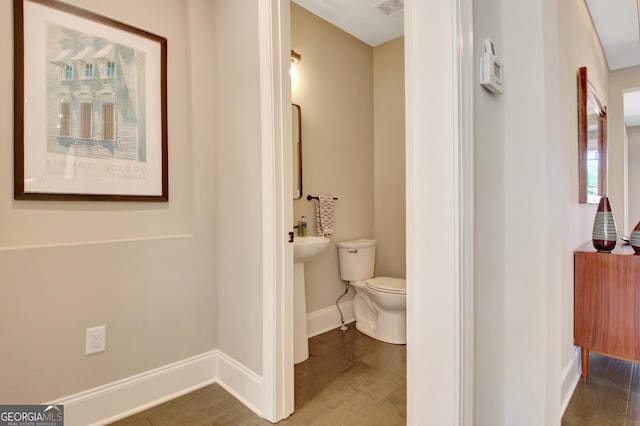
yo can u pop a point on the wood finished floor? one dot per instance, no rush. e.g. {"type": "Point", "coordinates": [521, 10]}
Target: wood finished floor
{"type": "Point", "coordinates": [610, 397]}
{"type": "Point", "coordinates": [349, 379]}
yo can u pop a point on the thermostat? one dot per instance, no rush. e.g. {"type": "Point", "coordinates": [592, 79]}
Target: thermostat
{"type": "Point", "coordinates": [490, 69]}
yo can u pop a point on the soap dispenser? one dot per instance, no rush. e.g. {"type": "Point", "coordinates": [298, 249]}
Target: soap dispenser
{"type": "Point", "coordinates": [302, 227]}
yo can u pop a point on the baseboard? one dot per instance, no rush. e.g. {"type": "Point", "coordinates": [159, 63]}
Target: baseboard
{"type": "Point", "coordinates": [326, 319]}
{"type": "Point", "coordinates": [123, 398]}
{"type": "Point", "coordinates": [242, 383]}
{"type": "Point", "coordinates": [570, 379]}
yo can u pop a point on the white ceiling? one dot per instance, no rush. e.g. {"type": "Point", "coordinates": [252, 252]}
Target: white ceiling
{"type": "Point", "coordinates": [360, 18]}
{"type": "Point", "coordinates": [616, 22]}
{"type": "Point", "coordinates": [618, 28]}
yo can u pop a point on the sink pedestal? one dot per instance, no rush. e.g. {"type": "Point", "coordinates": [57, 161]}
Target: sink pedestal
{"type": "Point", "coordinates": [304, 249]}
{"type": "Point", "coordinates": [300, 340]}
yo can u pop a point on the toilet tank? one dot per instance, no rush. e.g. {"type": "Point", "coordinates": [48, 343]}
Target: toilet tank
{"type": "Point", "coordinates": [357, 259]}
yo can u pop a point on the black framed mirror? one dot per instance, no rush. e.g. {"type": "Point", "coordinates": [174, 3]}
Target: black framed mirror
{"type": "Point", "coordinates": [592, 142]}
{"type": "Point", "coordinates": [296, 120]}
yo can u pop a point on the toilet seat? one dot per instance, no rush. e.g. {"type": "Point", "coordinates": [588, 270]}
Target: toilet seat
{"type": "Point", "coordinates": [388, 285]}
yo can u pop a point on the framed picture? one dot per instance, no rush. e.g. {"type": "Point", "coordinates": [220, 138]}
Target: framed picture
{"type": "Point", "coordinates": [90, 106]}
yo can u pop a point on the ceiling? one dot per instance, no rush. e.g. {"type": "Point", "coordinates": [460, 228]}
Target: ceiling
{"type": "Point", "coordinates": [362, 19]}
{"type": "Point", "coordinates": [618, 28]}
{"type": "Point", "coordinates": [616, 22]}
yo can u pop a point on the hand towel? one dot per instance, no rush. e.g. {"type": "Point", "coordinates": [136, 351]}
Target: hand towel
{"type": "Point", "coordinates": [324, 215]}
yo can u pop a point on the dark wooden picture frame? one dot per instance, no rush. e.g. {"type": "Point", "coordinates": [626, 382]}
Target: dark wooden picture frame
{"type": "Point", "coordinates": [90, 106]}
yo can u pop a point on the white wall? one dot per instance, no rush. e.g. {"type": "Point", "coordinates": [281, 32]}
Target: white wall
{"type": "Point", "coordinates": [489, 278]}
{"type": "Point", "coordinates": [634, 176]}
{"type": "Point", "coordinates": [620, 80]}
{"type": "Point", "coordinates": [524, 265]}
{"type": "Point", "coordinates": [238, 179]}
{"type": "Point", "coordinates": [578, 46]}
{"type": "Point", "coordinates": [145, 270]}
{"type": "Point", "coordinates": [526, 223]}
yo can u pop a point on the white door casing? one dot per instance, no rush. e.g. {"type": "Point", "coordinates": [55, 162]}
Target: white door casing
{"type": "Point", "coordinates": [277, 205]}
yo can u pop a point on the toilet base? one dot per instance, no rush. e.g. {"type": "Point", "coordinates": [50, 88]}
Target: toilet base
{"type": "Point", "coordinates": [383, 326]}
{"type": "Point", "coordinates": [364, 328]}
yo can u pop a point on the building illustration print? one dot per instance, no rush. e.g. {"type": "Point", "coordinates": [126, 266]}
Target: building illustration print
{"type": "Point", "coordinates": [95, 105]}
{"type": "Point", "coordinates": [90, 107]}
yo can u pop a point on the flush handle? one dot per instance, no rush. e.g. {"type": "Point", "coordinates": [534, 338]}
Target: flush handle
{"type": "Point", "coordinates": [352, 251]}
{"type": "Point", "coordinates": [290, 237]}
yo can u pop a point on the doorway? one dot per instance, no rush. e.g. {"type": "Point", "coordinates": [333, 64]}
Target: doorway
{"type": "Point", "coordinates": [349, 86]}
{"type": "Point", "coordinates": [438, 131]}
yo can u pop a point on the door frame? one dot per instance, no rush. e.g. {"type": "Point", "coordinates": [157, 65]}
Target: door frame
{"type": "Point", "coordinates": [439, 111]}
{"type": "Point", "coordinates": [277, 205]}
{"type": "Point", "coordinates": [439, 129]}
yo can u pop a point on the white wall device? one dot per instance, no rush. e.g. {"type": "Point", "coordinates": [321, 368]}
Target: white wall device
{"type": "Point", "coordinates": [491, 71]}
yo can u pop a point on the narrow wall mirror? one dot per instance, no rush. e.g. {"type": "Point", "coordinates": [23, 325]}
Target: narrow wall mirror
{"type": "Point", "coordinates": [592, 140]}
{"type": "Point", "coordinates": [296, 120]}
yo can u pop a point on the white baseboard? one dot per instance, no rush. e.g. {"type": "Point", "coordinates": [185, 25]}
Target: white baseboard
{"type": "Point", "coordinates": [242, 383]}
{"type": "Point", "coordinates": [570, 379]}
{"type": "Point", "coordinates": [327, 319]}
{"type": "Point", "coordinates": [123, 398]}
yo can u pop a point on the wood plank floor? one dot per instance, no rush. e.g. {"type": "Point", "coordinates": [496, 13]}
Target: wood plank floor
{"type": "Point", "coordinates": [610, 397]}
{"type": "Point", "coordinates": [349, 379]}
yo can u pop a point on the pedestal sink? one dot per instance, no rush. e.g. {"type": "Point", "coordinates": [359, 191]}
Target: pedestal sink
{"type": "Point", "coordinates": [304, 249]}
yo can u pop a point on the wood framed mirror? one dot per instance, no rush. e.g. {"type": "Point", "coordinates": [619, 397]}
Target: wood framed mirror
{"type": "Point", "coordinates": [592, 142]}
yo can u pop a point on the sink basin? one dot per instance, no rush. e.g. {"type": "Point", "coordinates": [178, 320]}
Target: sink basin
{"type": "Point", "coordinates": [304, 248]}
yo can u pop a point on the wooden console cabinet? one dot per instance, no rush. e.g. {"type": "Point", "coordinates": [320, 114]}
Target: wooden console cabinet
{"type": "Point", "coordinates": [607, 303]}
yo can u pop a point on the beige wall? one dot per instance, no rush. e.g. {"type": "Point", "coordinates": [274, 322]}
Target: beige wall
{"type": "Point", "coordinates": [153, 284]}
{"type": "Point", "coordinates": [335, 92]}
{"type": "Point", "coordinates": [352, 100]}
{"type": "Point", "coordinates": [389, 163]}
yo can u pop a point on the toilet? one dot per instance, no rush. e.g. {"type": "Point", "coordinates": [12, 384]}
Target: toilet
{"type": "Point", "coordinates": [380, 304]}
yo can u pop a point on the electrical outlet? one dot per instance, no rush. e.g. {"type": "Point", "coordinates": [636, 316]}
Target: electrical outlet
{"type": "Point", "coordinates": [96, 340]}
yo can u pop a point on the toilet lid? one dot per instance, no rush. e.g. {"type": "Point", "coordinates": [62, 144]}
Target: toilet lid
{"type": "Point", "coordinates": [388, 285]}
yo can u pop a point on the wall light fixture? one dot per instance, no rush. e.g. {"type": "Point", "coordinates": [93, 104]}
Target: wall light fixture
{"type": "Point", "coordinates": [293, 72]}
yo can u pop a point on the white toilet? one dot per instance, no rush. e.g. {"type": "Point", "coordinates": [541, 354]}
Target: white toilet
{"type": "Point", "coordinates": [380, 304]}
